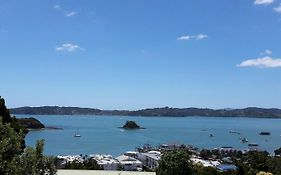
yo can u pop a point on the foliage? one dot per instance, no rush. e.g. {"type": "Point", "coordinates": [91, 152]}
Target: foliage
{"type": "Point", "coordinates": [274, 165]}
{"type": "Point", "coordinates": [175, 163]}
{"type": "Point", "coordinates": [278, 151]}
{"type": "Point", "coordinates": [35, 163]}
{"type": "Point", "coordinates": [264, 173]}
{"type": "Point", "coordinates": [14, 159]}
{"type": "Point", "coordinates": [257, 160]}
{"type": "Point", "coordinates": [205, 154]}
{"type": "Point", "coordinates": [200, 170]}
{"type": "Point", "coordinates": [89, 164]}
{"type": "Point", "coordinates": [10, 149]}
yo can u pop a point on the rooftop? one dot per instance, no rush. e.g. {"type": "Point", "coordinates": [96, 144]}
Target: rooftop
{"type": "Point", "coordinates": [127, 159]}
{"type": "Point", "coordinates": [103, 159]}
{"type": "Point", "coordinates": [97, 172]}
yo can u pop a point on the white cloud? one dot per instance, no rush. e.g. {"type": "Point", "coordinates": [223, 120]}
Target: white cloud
{"type": "Point", "coordinates": [263, 2]}
{"type": "Point", "coordinates": [185, 37]}
{"type": "Point", "coordinates": [266, 52]}
{"type": "Point", "coordinates": [56, 6]}
{"type": "Point", "coordinates": [189, 37]}
{"type": "Point", "coordinates": [265, 62]}
{"type": "Point", "coordinates": [201, 36]}
{"type": "Point", "coordinates": [69, 14]}
{"type": "Point", "coordinates": [277, 9]}
{"type": "Point", "coordinates": [68, 47]}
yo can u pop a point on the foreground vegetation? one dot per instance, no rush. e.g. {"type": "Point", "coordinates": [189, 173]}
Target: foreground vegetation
{"type": "Point", "coordinates": [252, 163]}
{"type": "Point", "coordinates": [15, 157]}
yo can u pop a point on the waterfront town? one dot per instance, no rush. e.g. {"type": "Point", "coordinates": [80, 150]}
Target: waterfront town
{"type": "Point", "coordinates": [146, 158]}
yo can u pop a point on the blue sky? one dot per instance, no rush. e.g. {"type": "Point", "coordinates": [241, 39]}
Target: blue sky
{"type": "Point", "coordinates": [133, 54]}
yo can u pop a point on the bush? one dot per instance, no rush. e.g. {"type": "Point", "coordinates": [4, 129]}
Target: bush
{"type": "Point", "coordinates": [175, 163]}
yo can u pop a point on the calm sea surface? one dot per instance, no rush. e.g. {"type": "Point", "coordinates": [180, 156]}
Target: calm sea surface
{"type": "Point", "coordinates": [100, 134]}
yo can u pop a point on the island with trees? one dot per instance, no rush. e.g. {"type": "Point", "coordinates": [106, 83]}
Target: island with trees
{"type": "Point", "coordinates": [131, 125]}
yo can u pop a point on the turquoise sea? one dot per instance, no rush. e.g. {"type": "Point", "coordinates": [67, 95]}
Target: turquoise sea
{"type": "Point", "coordinates": [100, 134]}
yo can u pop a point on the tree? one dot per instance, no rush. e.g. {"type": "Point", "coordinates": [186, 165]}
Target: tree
{"type": "Point", "coordinates": [175, 163]}
{"type": "Point", "coordinates": [13, 158]}
{"type": "Point", "coordinates": [88, 164]}
{"type": "Point", "coordinates": [274, 165]}
{"type": "Point", "coordinates": [35, 163]}
{"type": "Point", "coordinates": [205, 154]}
{"type": "Point", "coordinates": [75, 165]}
{"type": "Point", "coordinates": [257, 160]}
{"type": "Point", "coordinates": [10, 149]}
{"type": "Point", "coordinates": [4, 112]}
{"type": "Point", "coordinates": [278, 151]}
{"type": "Point", "coordinates": [263, 173]}
{"type": "Point", "coordinates": [92, 164]}
{"type": "Point", "coordinates": [200, 170]}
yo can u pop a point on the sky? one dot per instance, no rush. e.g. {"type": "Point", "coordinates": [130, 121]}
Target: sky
{"type": "Point", "coordinates": [133, 54]}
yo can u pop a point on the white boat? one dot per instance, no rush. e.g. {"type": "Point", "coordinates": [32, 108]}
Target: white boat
{"type": "Point", "coordinates": [77, 134]}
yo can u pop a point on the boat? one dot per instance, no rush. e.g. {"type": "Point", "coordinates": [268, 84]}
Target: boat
{"type": "Point", "coordinates": [244, 140]}
{"type": "Point", "coordinates": [264, 133]}
{"type": "Point", "coordinates": [211, 135]}
{"type": "Point", "coordinates": [234, 132]}
{"type": "Point", "coordinates": [253, 144]}
{"type": "Point", "coordinates": [77, 134]}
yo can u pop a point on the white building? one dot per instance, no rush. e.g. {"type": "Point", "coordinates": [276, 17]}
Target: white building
{"type": "Point", "coordinates": [105, 161]}
{"type": "Point", "coordinates": [129, 163]}
{"type": "Point", "coordinates": [69, 158]}
{"type": "Point", "coordinates": [205, 163]}
{"type": "Point", "coordinates": [150, 159]}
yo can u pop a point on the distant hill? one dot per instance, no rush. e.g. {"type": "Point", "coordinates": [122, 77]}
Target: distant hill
{"type": "Point", "coordinates": [166, 112]}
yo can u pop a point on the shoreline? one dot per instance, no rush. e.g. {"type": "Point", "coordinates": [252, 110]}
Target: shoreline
{"type": "Point", "coordinates": [46, 128]}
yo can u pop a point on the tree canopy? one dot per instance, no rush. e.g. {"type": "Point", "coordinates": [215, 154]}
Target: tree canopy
{"type": "Point", "coordinates": [15, 158]}
{"type": "Point", "coordinates": [175, 163]}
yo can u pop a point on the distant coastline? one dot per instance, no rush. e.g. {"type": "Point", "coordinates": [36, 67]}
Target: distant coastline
{"type": "Point", "coordinates": [251, 112]}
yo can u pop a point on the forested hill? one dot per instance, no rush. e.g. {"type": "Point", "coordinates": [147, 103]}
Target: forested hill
{"type": "Point", "coordinates": [166, 111]}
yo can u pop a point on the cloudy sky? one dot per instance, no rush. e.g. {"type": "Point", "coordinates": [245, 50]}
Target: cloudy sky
{"type": "Point", "coordinates": [128, 54]}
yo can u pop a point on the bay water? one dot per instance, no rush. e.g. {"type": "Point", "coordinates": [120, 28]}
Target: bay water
{"type": "Point", "coordinates": [102, 135]}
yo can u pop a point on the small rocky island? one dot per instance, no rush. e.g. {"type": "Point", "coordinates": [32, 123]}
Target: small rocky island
{"type": "Point", "coordinates": [131, 125]}
{"type": "Point", "coordinates": [30, 123]}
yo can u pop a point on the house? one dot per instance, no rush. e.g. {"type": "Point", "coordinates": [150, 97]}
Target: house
{"type": "Point", "coordinates": [133, 154]}
{"type": "Point", "coordinates": [206, 163]}
{"type": "Point", "coordinates": [128, 163]}
{"type": "Point", "coordinates": [105, 161]}
{"type": "Point", "coordinates": [150, 159]}
{"type": "Point", "coordinates": [63, 160]}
